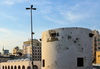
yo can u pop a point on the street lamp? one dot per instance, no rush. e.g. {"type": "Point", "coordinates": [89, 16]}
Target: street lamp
{"type": "Point", "coordinates": [31, 8]}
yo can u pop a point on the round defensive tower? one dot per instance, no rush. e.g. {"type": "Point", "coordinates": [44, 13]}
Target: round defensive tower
{"type": "Point", "coordinates": [67, 48]}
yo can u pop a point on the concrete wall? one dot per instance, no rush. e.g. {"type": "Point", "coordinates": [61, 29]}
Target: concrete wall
{"type": "Point", "coordinates": [67, 48]}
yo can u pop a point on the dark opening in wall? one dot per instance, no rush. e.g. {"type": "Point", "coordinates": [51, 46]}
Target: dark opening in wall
{"type": "Point", "coordinates": [11, 67]}
{"type": "Point", "coordinates": [35, 67]}
{"type": "Point", "coordinates": [15, 67]}
{"type": "Point", "coordinates": [3, 67]}
{"type": "Point", "coordinates": [23, 67]}
{"type": "Point", "coordinates": [80, 62]}
{"type": "Point", "coordinates": [28, 67]}
{"type": "Point", "coordinates": [91, 34]}
{"type": "Point", "coordinates": [57, 34]}
{"type": "Point", "coordinates": [53, 34]}
{"type": "Point", "coordinates": [43, 63]}
{"type": "Point", "coordinates": [19, 67]}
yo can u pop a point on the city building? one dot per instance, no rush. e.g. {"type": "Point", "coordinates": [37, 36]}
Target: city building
{"type": "Point", "coordinates": [0, 53]}
{"type": "Point", "coordinates": [17, 51]}
{"type": "Point", "coordinates": [5, 52]}
{"type": "Point", "coordinates": [6, 58]}
{"type": "Point", "coordinates": [95, 45]}
{"type": "Point", "coordinates": [23, 62]}
{"type": "Point", "coordinates": [98, 43]}
{"type": "Point", "coordinates": [27, 49]}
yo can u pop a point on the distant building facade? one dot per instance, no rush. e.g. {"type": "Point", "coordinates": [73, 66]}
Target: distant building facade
{"type": "Point", "coordinates": [27, 49]}
{"type": "Point", "coordinates": [5, 51]}
{"type": "Point", "coordinates": [95, 45]}
{"type": "Point", "coordinates": [98, 43]}
{"type": "Point", "coordinates": [98, 50]}
{"type": "Point", "coordinates": [4, 59]}
{"type": "Point", "coordinates": [0, 53]}
{"type": "Point", "coordinates": [17, 51]}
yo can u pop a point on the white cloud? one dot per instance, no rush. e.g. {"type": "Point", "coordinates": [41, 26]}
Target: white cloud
{"type": "Point", "coordinates": [82, 11]}
{"type": "Point", "coordinates": [11, 2]}
{"type": "Point", "coordinates": [58, 21]}
{"type": "Point", "coordinates": [7, 2]}
{"type": "Point", "coordinates": [45, 6]}
{"type": "Point", "coordinates": [6, 16]}
{"type": "Point", "coordinates": [46, 10]}
{"type": "Point", "coordinates": [6, 31]}
{"type": "Point", "coordinates": [73, 17]}
{"type": "Point", "coordinates": [66, 17]}
{"type": "Point", "coordinates": [42, 3]}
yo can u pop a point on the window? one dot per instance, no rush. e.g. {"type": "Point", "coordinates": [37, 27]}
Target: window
{"type": "Point", "coordinates": [35, 53]}
{"type": "Point", "coordinates": [98, 39]}
{"type": "Point", "coordinates": [11, 67]}
{"type": "Point", "coordinates": [98, 43]}
{"type": "Point", "coordinates": [98, 55]}
{"type": "Point", "coordinates": [2, 67]}
{"type": "Point", "coordinates": [19, 67]}
{"type": "Point", "coordinates": [15, 67]}
{"type": "Point", "coordinates": [80, 62]}
{"type": "Point", "coordinates": [5, 67]}
{"type": "Point", "coordinates": [23, 67]}
{"type": "Point", "coordinates": [99, 48]}
{"type": "Point", "coordinates": [35, 56]}
{"type": "Point", "coordinates": [57, 34]}
{"type": "Point", "coordinates": [28, 67]}
{"type": "Point", "coordinates": [37, 44]}
{"type": "Point", "coordinates": [43, 63]}
{"type": "Point", "coordinates": [35, 67]}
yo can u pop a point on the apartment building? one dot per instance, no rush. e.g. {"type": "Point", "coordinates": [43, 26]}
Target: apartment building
{"type": "Point", "coordinates": [96, 47]}
{"type": "Point", "coordinates": [27, 49]}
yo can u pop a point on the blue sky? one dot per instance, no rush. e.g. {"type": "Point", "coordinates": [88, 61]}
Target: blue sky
{"type": "Point", "coordinates": [50, 14]}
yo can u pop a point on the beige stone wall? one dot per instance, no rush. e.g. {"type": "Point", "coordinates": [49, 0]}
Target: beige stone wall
{"type": "Point", "coordinates": [22, 64]}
